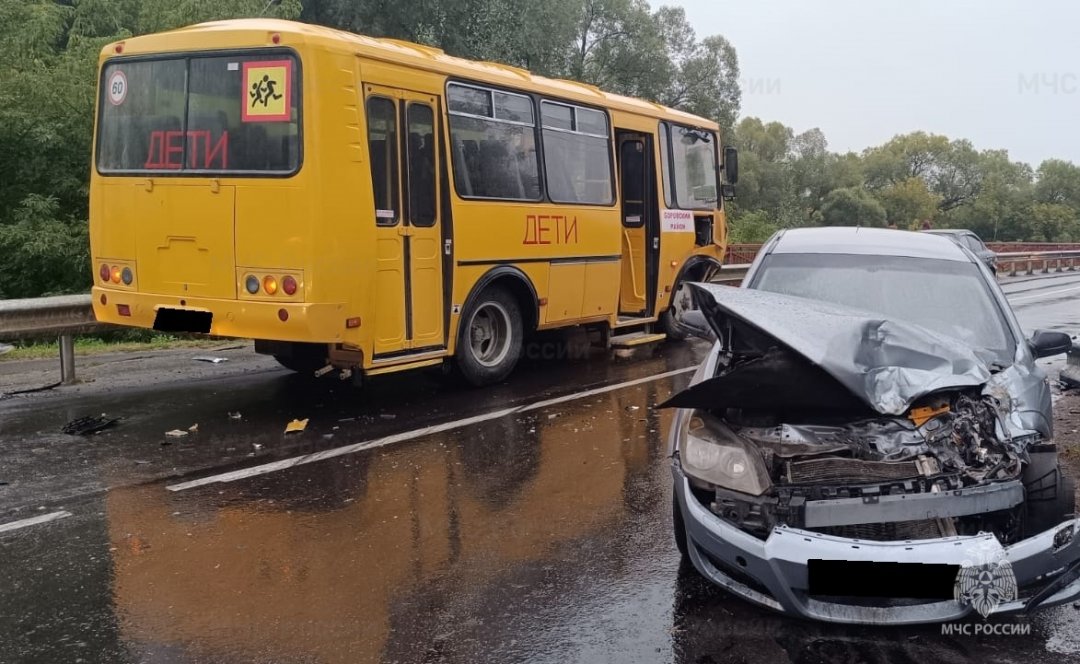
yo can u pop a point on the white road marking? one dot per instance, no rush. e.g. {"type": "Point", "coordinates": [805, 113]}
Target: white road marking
{"type": "Point", "coordinates": [33, 521]}
{"type": "Point", "coordinates": [282, 464]}
{"type": "Point", "coordinates": [1047, 294]}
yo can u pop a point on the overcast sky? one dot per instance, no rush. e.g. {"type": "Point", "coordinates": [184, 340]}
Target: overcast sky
{"type": "Point", "coordinates": [1002, 73]}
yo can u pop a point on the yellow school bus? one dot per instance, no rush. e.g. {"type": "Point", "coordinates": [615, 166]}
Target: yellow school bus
{"type": "Point", "coordinates": [370, 205]}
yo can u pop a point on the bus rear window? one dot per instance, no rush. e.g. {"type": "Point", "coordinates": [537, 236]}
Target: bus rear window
{"type": "Point", "coordinates": [231, 114]}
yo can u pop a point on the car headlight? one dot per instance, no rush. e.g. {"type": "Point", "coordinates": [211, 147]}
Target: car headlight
{"type": "Point", "coordinates": [711, 452]}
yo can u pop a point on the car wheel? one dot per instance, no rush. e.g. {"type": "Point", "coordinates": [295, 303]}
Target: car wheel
{"type": "Point", "coordinates": [303, 358]}
{"type": "Point", "coordinates": [679, 528]}
{"type": "Point", "coordinates": [489, 338]}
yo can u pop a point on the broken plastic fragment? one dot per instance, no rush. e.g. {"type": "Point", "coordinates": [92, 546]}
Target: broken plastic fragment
{"type": "Point", "coordinates": [176, 433]}
{"type": "Point", "coordinates": [194, 428]}
{"type": "Point", "coordinates": [210, 359]}
{"type": "Point", "coordinates": [235, 416]}
{"type": "Point", "coordinates": [296, 426]}
{"type": "Point", "coordinates": [87, 425]}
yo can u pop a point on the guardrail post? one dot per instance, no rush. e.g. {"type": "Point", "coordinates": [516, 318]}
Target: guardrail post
{"type": "Point", "coordinates": [1012, 268]}
{"type": "Point", "coordinates": [67, 359]}
{"type": "Point", "coordinates": [1029, 268]}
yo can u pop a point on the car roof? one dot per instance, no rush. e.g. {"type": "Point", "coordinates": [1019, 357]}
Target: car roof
{"type": "Point", "coordinates": [867, 241]}
{"type": "Point", "coordinates": [947, 231]}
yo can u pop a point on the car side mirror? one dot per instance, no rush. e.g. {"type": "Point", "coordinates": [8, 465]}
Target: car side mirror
{"type": "Point", "coordinates": [1046, 343]}
{"type": "Point", "coordinates": [695, 324]}
{"type": "Point", "coordinates": [731, 165]}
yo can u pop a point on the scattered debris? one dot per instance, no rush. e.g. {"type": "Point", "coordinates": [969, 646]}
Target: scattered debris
{"type": "Point", "coordinates": [176, 433]}
{"type": "Point", "coordinates": [296, 426]}
{"type": "Point", "coordinates": [235, 416]}
{"type": "Point", "coordinates": [6, 348]}
{"type": "Point", "coordinates": [210, 358]}
{"type": "Point", "coordinates": [87, 425]}
{"type": "Point", "coordinates": [141, 462]}
{"type": "Point", "coordinates": [387, 416]}
{"type": "Point", "coordinates": [633, 408]}
{"type": "Point", "coordinates": [194, 428]}
{"type": "Point", "coordinates": [257, 446]}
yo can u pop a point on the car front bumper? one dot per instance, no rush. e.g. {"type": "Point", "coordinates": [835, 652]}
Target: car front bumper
{"type": "Point", "coordinates": [773, 572]}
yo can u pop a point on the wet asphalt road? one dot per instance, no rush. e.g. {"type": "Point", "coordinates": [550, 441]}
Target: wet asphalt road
{"type": "Point", "coordinates": [540, 535]}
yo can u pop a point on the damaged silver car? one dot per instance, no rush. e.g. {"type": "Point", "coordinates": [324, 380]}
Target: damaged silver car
{"type": "Point", "coordinates": [869, 439]}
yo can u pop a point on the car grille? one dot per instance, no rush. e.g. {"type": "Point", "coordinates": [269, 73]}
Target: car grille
{"type": "Point", "coordinates": [838, 469]}
{"type": "Point", "coordinates": [887, 532]}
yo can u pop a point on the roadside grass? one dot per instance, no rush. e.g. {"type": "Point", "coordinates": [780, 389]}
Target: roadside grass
{"type": "Point", "coordinates": [96, 345]}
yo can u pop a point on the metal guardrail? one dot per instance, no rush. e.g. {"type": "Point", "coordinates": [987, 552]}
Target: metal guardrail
{"type": "Point", "coordinates": [65, 316]}
{"type": "Point", "coordinates": [62, 316]}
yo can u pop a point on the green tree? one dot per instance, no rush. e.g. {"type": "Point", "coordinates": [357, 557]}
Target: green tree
{"type": "Point", "coordinates": [852, 206]}
{"type": "Point", "coordinates": [908, 202]}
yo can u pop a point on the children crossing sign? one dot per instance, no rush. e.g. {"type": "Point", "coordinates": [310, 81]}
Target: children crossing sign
{"type": "Point", "coordinates": [267, 91]}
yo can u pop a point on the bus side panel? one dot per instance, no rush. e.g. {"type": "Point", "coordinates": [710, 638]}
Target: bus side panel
{"type": "Point", "coordinates": [565, 292]}
{"type": "Point", "coordinates": [343, 256]}
{"type": "Point", "coordinates": [601, 293]}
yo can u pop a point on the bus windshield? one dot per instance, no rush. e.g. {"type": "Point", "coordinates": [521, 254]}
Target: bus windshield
{"type": "Point", "coordinates": [694, 167]}
{"type": "Point", "coordinates": [200, 114]}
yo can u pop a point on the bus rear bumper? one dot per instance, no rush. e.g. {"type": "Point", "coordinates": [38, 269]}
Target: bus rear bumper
{"type": "Point", "coordinates": [279, 321]}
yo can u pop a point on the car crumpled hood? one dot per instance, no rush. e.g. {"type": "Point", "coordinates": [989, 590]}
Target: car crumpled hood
{"type": "Point", "coordinates": [887, 364]}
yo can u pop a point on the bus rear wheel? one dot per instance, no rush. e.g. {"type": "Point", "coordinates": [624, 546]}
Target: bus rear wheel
{"type": "Point", "coordinates": [490, 338]}
{"type": "Point", "coordinates": [302, 358]}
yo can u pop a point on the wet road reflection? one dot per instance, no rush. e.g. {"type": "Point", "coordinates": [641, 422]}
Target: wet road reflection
{"type": "Point", "coordinates": [389, 555]}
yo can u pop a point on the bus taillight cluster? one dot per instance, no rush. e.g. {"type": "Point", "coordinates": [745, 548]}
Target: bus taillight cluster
{"type": "Point", "coordinates": [116, 274]}
{"type": "Point", "coordinates": [270, 284]}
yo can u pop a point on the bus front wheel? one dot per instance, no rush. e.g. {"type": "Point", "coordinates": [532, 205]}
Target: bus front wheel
{"type": "Point", "coordinates": [681, 302]}
{"type": "Point", "coordinates": [490, 338]}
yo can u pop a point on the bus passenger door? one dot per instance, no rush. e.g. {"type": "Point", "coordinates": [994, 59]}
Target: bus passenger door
{"type": "Point", "coordinates": [403, 148]}
{"type": "Point", "coordinates": [640, 236]}
{"type": "Point", "coordinates": [423, 241]}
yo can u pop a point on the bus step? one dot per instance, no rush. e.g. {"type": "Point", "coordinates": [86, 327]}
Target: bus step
{"type": "Point", "coordinates": [632, 321]}
{"type": "Point", "coordinates": [636, 339]}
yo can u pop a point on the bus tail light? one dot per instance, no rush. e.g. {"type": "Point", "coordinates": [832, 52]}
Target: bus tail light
{"type": "Point", "coordinates": [269, 285]}
{"type": "Point", "coordinates": [123, 309]}
{"type": "Point", "coordinates": [282, 315]}
{"type": "Point", "coordinates": [127, 276]}
{"type": "Point", "coordinates": [351, 323]}
{"type": "Point", "coordinates": [288, 284]}
{"type": "Point", "coordinates": [251, 284]}
{"type": "Point", "coordinates": [105, 272]}
{"type": "Point", "coordinates": [115, 274]}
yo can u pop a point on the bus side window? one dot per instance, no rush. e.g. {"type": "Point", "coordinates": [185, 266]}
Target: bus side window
{"type": "Point", "coordinates": [421, 121]}
{"type": "Point", "coordinates": [382, 148]}
{"type": "Point", "coordinates": [497, 156]}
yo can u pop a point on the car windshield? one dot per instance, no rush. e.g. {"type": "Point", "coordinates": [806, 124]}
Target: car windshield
{"type": "Point", "coordinates": [949, 297]}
